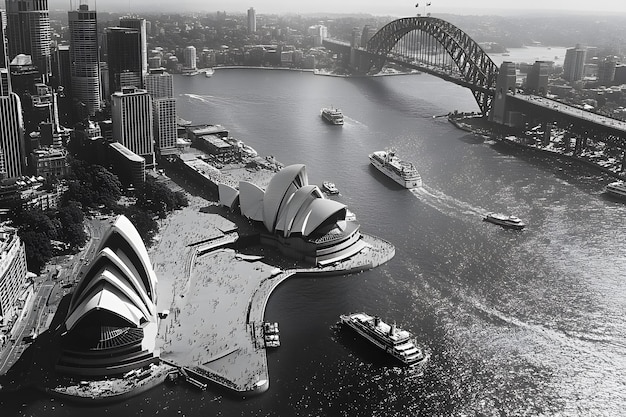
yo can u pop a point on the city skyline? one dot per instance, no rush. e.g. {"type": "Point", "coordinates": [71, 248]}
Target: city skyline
{"type": "Point", "coordinates": [393, 7]}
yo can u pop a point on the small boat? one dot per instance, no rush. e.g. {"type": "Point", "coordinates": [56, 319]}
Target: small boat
{"type": "Point", "coordinates": [511, 222]}
{"type": "Point", "coordinates": [616, 189]}
{"type": "Point", "coordinates": [330, 187]}
{"type": "Point", "coordinates": [209, 72]}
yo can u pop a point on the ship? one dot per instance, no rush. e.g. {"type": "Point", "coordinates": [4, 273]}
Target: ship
{"type": "Point", "coordinates": [511, 222]}
{"type": "Point", "coordinates": [330, 187]}
{"type": "Point", "coordinates": [332, 115]}
{"type": "Point", "coordinates": [402, 172]}
{"type": "Point", "coordinates": [396, 342]}
{"type": "Point", "coordinates": [616, 189]}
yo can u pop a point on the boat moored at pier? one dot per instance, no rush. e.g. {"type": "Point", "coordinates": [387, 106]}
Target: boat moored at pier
{"type": "Point", "coordinates": [402, 172]}
{"type": "Point", "coordinates": [511, 222]}
{"type": "Point", "coordinates": [332, 115]}
{"type": "Point", "coordinates": [396, 342]}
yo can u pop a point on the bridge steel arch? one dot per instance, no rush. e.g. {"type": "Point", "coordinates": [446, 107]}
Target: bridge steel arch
{"type": "Point", "coordinates": [479, 72]}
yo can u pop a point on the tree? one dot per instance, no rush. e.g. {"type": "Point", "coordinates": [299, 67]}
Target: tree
{"type": "Point", "coordinates": [38, 249]}
{"type": "Point", "coordinates": [71, 220]}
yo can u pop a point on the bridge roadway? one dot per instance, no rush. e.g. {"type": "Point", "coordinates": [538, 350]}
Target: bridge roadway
{"type": "Point", "coordinates": [557, 110]}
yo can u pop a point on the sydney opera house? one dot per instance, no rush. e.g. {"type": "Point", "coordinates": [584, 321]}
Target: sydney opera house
{"type": "Point", "coordinates": [111, 324]}
{"type": "Point", "coordinates": [297, 218]}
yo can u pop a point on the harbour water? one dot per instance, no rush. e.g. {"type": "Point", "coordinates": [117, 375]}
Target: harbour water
{"type": "Point", "coordinates": [517, 323]}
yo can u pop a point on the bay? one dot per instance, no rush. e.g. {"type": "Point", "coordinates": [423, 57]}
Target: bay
{"type": "Point", "coordinates": [526, 323]}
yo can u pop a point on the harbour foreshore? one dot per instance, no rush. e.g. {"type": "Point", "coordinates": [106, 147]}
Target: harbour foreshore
{"type": "Point", "coordinates": [216, 295]}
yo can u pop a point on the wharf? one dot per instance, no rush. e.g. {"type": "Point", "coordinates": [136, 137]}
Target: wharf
{"type": "Point", "coordinates": [217, 297]}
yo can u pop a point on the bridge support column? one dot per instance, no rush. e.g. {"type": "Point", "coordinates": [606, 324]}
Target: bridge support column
{"type": "Point", "coordinates": [547, 133]}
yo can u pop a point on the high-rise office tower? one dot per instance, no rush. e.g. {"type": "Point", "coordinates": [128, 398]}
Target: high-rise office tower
{"type": "Point", "coordinates": [574, 63]}
{"type": "Point", "coordinates": [189, 57]}
{"type": "Point", "coordinates": [84, 58]}
{"type": "Point", "coordinates": [5, 79]}
{"type": "Point", "coordinates": [251, 20]}
{"type": "Point", "coordinates": [12, 150]}
{"type": "Point", "coordinates": [131, 114]}
{"type": "Point", "coordinates": [29, 32]}
{"type": "Point", "coordinates": [11, 136]}
{"type": "Point", "coordinates": [160, 87]}
{"type": "Point", "coordinates": [141, 26]}
{"type": "Point", "coordinates": [124, 58]}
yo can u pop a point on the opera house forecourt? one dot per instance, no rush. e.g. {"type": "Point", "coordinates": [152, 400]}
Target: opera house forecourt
{"type": "Point", "coordinates": [114, 337]}
{"type": "Point", "coordinates": [299, 220]}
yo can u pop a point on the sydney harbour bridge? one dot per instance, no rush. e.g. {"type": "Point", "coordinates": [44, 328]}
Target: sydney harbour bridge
{"type": "Point", "coordinates": [438, 47]}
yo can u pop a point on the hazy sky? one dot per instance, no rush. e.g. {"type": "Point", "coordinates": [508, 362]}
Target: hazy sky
{"type": "Point", "coordinates": [386, 7]}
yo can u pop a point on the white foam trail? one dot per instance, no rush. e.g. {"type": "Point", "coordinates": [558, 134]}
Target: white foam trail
{"type": "Point", "coordinates": [447, 204]}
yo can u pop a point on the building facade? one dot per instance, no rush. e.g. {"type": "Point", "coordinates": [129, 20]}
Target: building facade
{"type": "Point", "coordinates": [5, 79]}
{"type": "Point", "coordinates": [124, 58]}
{"type": "Point", "coordinates": [12, 273]}
{"type": "Point", "coordinates": [12, 146]}
{"type": "Point", "coordinates": [251, 20]}
{"type": "Point", "coordinates": [140, 25]}
{"type": "Point", "coordinates": [84, 58]}
{"type": "Point", "coordinates": [159, 85]}
{"type": "Point", "coordinates": [189, 58]}
{"type": "Point", "coordinates": [131, 114]}
{"type": "Point", "coordinates": [28, 24]}
{"type": "Point", "coordinates": [574, 63]}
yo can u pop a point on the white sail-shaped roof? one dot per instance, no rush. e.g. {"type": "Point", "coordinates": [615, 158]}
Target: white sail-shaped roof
{"type": "Point", "coordinates": [251, 200]}
{"type": "Point", "coordinates": [120, 280]}
{"type": "Point", "coordinates": [228, 195]}
{"type": "Point", "coordinates": [280, 190]}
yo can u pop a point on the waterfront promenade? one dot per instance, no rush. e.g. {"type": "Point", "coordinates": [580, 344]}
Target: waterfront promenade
{"type": "Point", "coordinates": [216, 296]}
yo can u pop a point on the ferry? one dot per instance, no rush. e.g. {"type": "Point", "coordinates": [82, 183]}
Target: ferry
{"type": "Point", "coordinates": [330, 187]}
{"type": "Point", "coordinates": [511, 222]}
{"type": "Point", "coordinates": [332, 115]}
{"type": "Point", "coordinates": [616, 189]}
{"type": "Point", "coordinates": [404, 173]}
{"type": "Point", "coordinates": [397, 342]}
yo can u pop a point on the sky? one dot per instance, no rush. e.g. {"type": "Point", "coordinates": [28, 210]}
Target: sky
{"type": "Point", "coordinates": [381, 8]}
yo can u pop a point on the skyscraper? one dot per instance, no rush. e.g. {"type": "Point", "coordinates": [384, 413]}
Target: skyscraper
{"type": "Point", "coordinates": [131, 114]}
{"type": "Point", "coordinates": [574, 63]}
{"type": "Point", "coordinates": [141, 26]}
{"type": "Point", "coordinates": [5, 79]}
{"type": "Point", "coordinates": [29, 32]}
{"type": "Point", "coordinates": [12, 148]}
{"type": "Point", "coordinates": [160, 87]}
{"type": "Point", "coordinates": [124, 58]}
{"type": "Point", "coordinates": [251, 20]}
{"type": "Point", "coordinates": [84, 58]}
{"type": "Point", "coordinates": [189, 58]}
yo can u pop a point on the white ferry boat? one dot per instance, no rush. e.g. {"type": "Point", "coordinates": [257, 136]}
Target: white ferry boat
{"type": "Point", "coordinates": [616, 189]}
{"type": "Point", "coordinates": [330, 187]}
{"type": "Point", "coordinates": [404, 173]}
{"type": "Point", "coordinates": [511, 222]}
{"type": "Point", "coordinates": [332, 115]}
{"type": "Point", "coordinates": [397, 342]}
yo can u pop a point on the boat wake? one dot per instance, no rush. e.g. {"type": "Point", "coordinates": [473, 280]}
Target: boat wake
{"type": "Point", "coordinates": [209, 99]}
{"type": "Point", "coordinates": [447, 204]}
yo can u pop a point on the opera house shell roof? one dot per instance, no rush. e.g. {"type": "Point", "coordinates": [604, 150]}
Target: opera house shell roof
{"type": "Point", "coordinates": [111, 324]}
{"type": "Point", "coordinates": [299, 219]}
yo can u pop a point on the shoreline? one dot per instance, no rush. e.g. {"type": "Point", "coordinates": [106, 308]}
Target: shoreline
{"type": "Point", "coordinates": [460, 123]}
{"type": "Point", "coordinates": [217, 306]}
